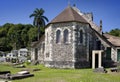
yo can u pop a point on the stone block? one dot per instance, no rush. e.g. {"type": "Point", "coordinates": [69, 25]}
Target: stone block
{"type": "Point", "coordinates": [113, 69]}
{"type": "Point", "coordinates": [100, 70]}
{"type": "Point", "coordinates": [23, 72]}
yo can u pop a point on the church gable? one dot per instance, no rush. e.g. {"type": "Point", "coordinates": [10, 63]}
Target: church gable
{"type": "Point", "coordinates": [69, 14]}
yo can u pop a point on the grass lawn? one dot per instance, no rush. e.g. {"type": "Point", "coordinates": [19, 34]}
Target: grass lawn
{"type": "Point", "coordinates": [63, 75]}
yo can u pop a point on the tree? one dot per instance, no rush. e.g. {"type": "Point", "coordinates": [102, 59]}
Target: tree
{"type": "Point", "coordinates": [115, 32]}
{"type": "Point", "coordinates": [39, 19]}
{"type": "Point", "coordinates": [25, 36]}
{"type": "Point", "coordinates": [4, 44]}
{"type": "Point", "coordinates": [16, 36]}
{"type": "Point", "coordinates": [4, 41]}
{"type": "Point", "coordinates": [32, 34]}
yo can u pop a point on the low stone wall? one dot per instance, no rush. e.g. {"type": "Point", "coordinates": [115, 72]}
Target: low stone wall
{"type": "Point", "coordinates": [67, 64]}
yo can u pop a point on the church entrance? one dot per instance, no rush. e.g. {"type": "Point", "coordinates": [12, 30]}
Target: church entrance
{"type": "Point", "coordinates": [96, 59]}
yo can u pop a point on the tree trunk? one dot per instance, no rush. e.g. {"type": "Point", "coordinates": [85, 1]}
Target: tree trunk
{"type": "Point", "coordinates": [38, 32]}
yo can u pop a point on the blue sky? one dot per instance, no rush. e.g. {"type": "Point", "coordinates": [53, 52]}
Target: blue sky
{"type": "Point", "coordinates": [18, 11]}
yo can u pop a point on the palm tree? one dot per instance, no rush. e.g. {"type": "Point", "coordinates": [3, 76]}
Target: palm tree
{"type": "Point", "coordinates": [39, 19]}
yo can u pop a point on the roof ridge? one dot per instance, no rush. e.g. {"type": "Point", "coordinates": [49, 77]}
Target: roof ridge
{"type": "Point", "coordinates": [72, 13]}
{"type": "Point", "coordinates": [74, 16]}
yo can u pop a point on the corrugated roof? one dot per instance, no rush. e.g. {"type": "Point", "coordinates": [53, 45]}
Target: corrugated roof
{"type": "Point", "coordinates": [113, 39]}
{"type": "Point", "coordinates": [69, 14]}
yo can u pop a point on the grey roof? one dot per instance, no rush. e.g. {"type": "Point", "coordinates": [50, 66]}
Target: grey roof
{"type": "Point", "coordinates": [67, 15]}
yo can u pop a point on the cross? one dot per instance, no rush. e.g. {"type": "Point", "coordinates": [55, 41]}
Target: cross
{"type": "Point", "coordinates": [69, 3]}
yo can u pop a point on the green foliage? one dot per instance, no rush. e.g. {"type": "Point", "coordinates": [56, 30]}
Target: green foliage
{"type": "Point", "coordinates": [39, 19]}
{"type": "Point", "coordinates": [115, 32]}
{"type": "Point", "coordinates": [2, 32]}
{"type": "Point", "coordinates": [32, 33]}
{"type": "Point", "coordinates": [27, 63]}
{"type": "Point", "coordinates": [15, 36]}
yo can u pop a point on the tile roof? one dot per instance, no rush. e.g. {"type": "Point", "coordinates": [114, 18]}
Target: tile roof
{"type": "Point", "coordinates": [73, 14]}
{"type": "Point", "coordinates": [68, 14]}
{"type": "Point", "coordinates": [113, 39]}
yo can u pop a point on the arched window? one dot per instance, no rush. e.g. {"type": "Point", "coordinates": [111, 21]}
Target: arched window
{"type": "Point", "coordinates": [81, 36]}
{"type": "Point", "coordinates": [58, 33]}
{"type": "Point", "coordinates": [66, 35]}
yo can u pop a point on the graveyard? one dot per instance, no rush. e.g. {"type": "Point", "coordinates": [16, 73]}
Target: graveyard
{"type": "Point", "coordinates": [44, 74]}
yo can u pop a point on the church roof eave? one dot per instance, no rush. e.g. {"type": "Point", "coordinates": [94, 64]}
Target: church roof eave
{"type": "Point", "coordinates": [103, 39]}
{"type": "Point", "coordinates": [113, 39]}
{"type": "Point", "coordinates": [64, 22]}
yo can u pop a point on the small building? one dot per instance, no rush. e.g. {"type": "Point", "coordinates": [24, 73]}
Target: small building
{"type": "Point", "coordinates": [2, 54]}
{"type": "Point", "coordinates": [19, 55]}
{"type": "Point", "coordinates": [10, 55]}
{"type": "Point", "coordinates": [23, 52]}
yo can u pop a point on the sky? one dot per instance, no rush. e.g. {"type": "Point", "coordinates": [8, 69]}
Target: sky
{"type": "Point", "coordinates": [18, 11]}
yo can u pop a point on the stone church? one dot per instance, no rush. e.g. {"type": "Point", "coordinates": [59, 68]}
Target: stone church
{"type": "Point", "coordinates": [69, 40]}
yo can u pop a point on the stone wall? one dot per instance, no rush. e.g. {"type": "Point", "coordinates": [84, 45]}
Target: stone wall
{"type": "Point", "coordinates": [59, 64]}
{"type": "Point", "coordinates": [48, 45]}
{"type": "Point", "coordinates": [82, 49]}
{"type": "Point", "coordinates": [89, 16]}
{"type": "Point", "coordinates": [114, 54]}
{"type": "Point", "coordinates": [61, 53]}
{"type": "Point", "coordinates": [39, 56]}
{"type": "Point", "coordinates": [41, 50]}
{"type": "Point", "coordinates": [72, 54]}
{"type": "Point", "coordinates": [32, 54]}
